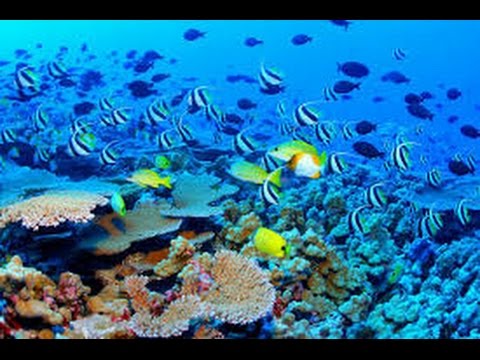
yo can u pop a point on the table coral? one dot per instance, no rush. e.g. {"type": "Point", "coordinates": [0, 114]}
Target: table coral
{"type": "Point", "coordinates": [144, 222]}
{"type": "Point", "coordinates": [194, 194]}
{"type": "Point", "coordinates": [52, 209]}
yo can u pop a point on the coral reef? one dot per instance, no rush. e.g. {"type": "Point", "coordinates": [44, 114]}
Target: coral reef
{"type": "Point", "coordinates": [143, 222]}
{"type": "Point", "coordinates": [194, 194]}
{"type": "Point", "coordinates": [52, 209]}
{"type": "Point", "coordinates": [180, 253]}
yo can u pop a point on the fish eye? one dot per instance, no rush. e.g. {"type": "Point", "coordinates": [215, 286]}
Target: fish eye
{"type": "Point", "coordinates": [283, 248]}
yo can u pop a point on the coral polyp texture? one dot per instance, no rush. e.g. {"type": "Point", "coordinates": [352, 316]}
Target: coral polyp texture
{"type": "Point", "coordinates": [240, 292]}
{"type": "Point", "coordinates": [328, 190]}
{"type": "Point", "coordinates": [52, 209]}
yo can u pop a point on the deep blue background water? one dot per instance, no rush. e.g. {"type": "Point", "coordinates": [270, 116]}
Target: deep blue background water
{"type": "Point", "coordinates": [439, 52]}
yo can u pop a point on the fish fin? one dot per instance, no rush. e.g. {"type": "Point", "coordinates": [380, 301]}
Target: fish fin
{"type": "Point", "coordinates": [322, 159]}
{"type": "Point", "coordinates": [275, 177]}
{"type": "Point", "coordinates": [316, 175]}
{"type": "Point", "coordinates": [167, 182]}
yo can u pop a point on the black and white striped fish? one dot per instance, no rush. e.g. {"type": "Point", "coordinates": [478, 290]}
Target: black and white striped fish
{"type": "Point", "coordinates": [436, 218]}
{"type": "Point", "coordinates": [164, 140]}
{"type": "Point", "coordinates": [336, 165]}
{"type": "Point", "coordinates": [457, 157]}
{"type": "Point", "coordinates": [462, 212]}
{"type": "Point", "coordinates": [81, 144]}
{"type": "Point", "coordinates": [43, 154]}
{"type": "Point", "coordinates": [269, 163]}
{"type": "Point", "coordinates": [399, 54]}
{"type": "Point", "coordinates": [329, 94]}
{"type": "Point", "coordinates": [8, 136]}
{"type": "Point", "coordinates": [106, 119]}
{"type": "Point", "coordinates": [281, 110]}
{"type": "Point", "coordinates": [105, 104]}
{"type": "Point", "coordinates": [212, 112]}
{"type": "Point", "coordinates": [426, 228]}
{"type": "Point", "coordinates": [284, 128]}
{"type": "Point", "coordinates": [269, 78]}
{"type": "Point", "coordinates": [305, 116]}
{"type": "Point", "coordinates": [347, 132]}
{"type": "Point", "coordinates": [325, 133]}
{"type": "Point", "coordinates": [355, 222]}
{"type": "Point", "coordinates": [119, 116]}
{"type": "Point", "coordinates": [297, 135]}
{"type": "Point", "coordinates": [434, 178]}
{"type": "Point", "coordinates": [108, 156]}
{"type": "Point", "coordinates": [199, 97]}
{"type": "Point", "coordinates": [184, 131]}
{"type": "Point", "coordinates": [56, 70]}
{"type": "Point", "coordinates": [25, 79]}
{"type": "Point", "coordinates": [471, 163]}
{"type": "Point", "coordinates": [242, 144]}
{"type": "Point", "coordinates": [80, 126]}
{"type": "Point", "coordinates": [269, 192]}
{"type": "Point", "coordinates": [401, 156]}
{"type": "Point", "coordinates": [40, 120]}
{"type": "Point", "coordinates": [156, 113]}
{"type": "Point", "coordinates": [375, 197]}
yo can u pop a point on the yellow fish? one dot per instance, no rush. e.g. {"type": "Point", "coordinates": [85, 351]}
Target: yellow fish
{"type": "Point", "coordinates": [247, 171]}
{"type": "Point", "coordinates": [149, 178]}
{"type": "Point", "coordinates": [287, 151]}
{"type": "Point", "coordinates": [308, 165]}
{"type": "Point", "coordinates": [271, 243]}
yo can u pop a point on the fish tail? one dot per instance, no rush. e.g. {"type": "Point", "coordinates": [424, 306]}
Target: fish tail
{"type": "Point", "coordinates": [167, 182]}
{"type": "Point", "coordinates": [275, 177]}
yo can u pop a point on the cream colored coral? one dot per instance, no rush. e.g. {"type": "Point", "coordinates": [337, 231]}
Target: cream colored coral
{"type": "Point", "coordinates": [14, 271]}
{"type": "Point", "coordinates": [98, 327]}
{"type": "Point", "coordinates": [241, 292]}
{"type": "Point", "coordinates": [172, 322]}
{"type": "Point", "coordinates": [181, 252]}
{"type": "Point", "coordinates": [52, 209]}
{"type": "Point", "coordinates": [38, 309]}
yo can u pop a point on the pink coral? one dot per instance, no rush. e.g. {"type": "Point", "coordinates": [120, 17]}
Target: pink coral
{"type": "Point", "coordinates": [135, 286]}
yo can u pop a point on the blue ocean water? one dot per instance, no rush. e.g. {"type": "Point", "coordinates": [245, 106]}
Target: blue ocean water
{"type": "Point", "coordinates": [148, 152]}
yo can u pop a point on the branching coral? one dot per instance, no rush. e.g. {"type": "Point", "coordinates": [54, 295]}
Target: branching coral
{"type": "Point", "coordinates": [241, 292]}
{"type": "Point", "coordinates": [144, 222]}
{"type": "Point", "coordinates": [172, 322]}
{"type": "Point", "coordinates": [52, 209]}
{"type": "Point", "coordinates": [193, 195]}
{"type": "Point", "coordinates": [99, 327]}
